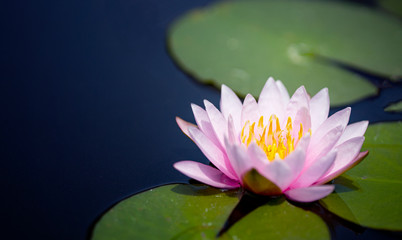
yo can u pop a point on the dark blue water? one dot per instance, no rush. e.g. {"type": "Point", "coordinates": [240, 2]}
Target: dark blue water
{"type": "Point", "coordinates": [88, 98]}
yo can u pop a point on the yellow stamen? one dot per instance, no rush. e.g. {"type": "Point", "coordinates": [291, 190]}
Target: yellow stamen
{"type": "Point", "coordinates": [278, 126]}
{"type": "Point", "coordinates": [301, 131]}
{"type": "Point", "coordinates": [251, 136]}
{"type": "Point", "coordinates": [270, 127]}
{"type": "Point", "coordinates": [289, 124]}
{"type": "Point", "coordinates": [261, 121]}
{"type": "Point", "coordinates": [276, 143]}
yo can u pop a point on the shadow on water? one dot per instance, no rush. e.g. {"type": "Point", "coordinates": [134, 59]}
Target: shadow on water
{"type": "Point", "coordinates": [378, 80]}
{"type": "Point", "coordinates": [389, 92]}
{"type": "Point", "coordinates": [347, 184]}
{"type": "Point", "coordinates": [337, 226]}
{"type": "Point", "coordinates": [340, 227]}
{"type": "Point", "coordinates": [248, 203]}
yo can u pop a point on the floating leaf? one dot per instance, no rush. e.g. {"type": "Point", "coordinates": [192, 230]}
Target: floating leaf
{"type": "Point", "coordinates": [395, 107]}
{"type": "Point", "coordinates": [171, 211]}
{"type": "Point", "coordinates": [394, 6]}
{"type": "Point", "coordinates": [280, 220]}
{"type": "Point", "coordinates": [242, 43]}
{"type": "Point", "coordinates": [198, 212]}
{"type": "Point", "coordinates": [371, 193]}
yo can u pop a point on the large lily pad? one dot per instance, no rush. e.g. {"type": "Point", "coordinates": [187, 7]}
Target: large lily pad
{"type": "Point", "coordinates": [242, 43]}
{"type": "Point", "coordinates": [280, 220]}
{"type": "Point", "coordinates": [199, 212]}
{"type": "Point", "coordinates": [394, 6]}
{"type": "Point", "coordinates": [371, 193]}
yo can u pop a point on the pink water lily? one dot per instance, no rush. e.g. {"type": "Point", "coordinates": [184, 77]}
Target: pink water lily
{"type": "Point", "coordinates": [278, 145]}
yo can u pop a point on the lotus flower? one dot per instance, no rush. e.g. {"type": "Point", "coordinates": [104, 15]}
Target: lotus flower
{"type": "Point", "coordinates": [278, 145]}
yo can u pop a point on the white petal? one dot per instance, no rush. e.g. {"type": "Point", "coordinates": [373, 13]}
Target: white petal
{"type": "Point", "coordinates": [315, 171]}
{"type": "Point", "coordinates": [204, 124]}
{"type": "Point", "coordinates": [231, 105]}
{"type": "Point", "coordinates": [302, 117]}
{"type": "Point", "coordinates": [333, 175]}
{"type": "Point", "coordinates": [211, 151]}
{"type": "Point", "coordinates": [299, 100]}
{"type": "Point", "coordinates": [250, 110]}
{"type": "Point", "coordinates": [327, 135]}
{"type": "Point", "coordinates": [279, 172]}
{"type": "Point", "coordinates": [347, 152]}
{"type": "Point", "coordinates": [340, 118]}
{"type": "Point", "coordinates": [353, 130]}
{"type": "Point", "coordinates": [319, 108]}
{"type": "Point", "coordinates": [284, 92]}
{"type": "Point", "coordinates": [257, 157]}
{"type": "Point", "coordinates": [321, 147]}
{"type": "Point", "coordinates": [218, 122]}
{"type": "Point", "coordinates": [309, 194]}
{"type": "Point", "coordinates": [206, 174]}
{"type": "Point", "coordinates": [296, 160]}
{"type": "Point", "coordinates": [271, 100]}
{"type": "Point", "coordinates": [184, 125]}
{"type": "Point", "coordinates": [239, 159]}
{"type": "Point", "coordinates": [233, 136]}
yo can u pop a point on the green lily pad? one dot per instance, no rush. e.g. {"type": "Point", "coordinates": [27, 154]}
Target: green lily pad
{"type": "Point", "coordinates": [280, 220]}
{"type": "Point", "coordinates": [371, 193]}
{"type": "Point", "coordinates": [171, 211]}
{"type": "Point", "coordinates": [395, 107]}
{"type": "Point", "coordinates": [242, 43]}
{"type": "Point", "coordinates": [198, 212]}
{"type": "Point", "coordinates": [393, 6]}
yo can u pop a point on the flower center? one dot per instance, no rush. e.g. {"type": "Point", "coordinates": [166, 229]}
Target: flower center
{"type": "Point", "coordinates": [274, 141]}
